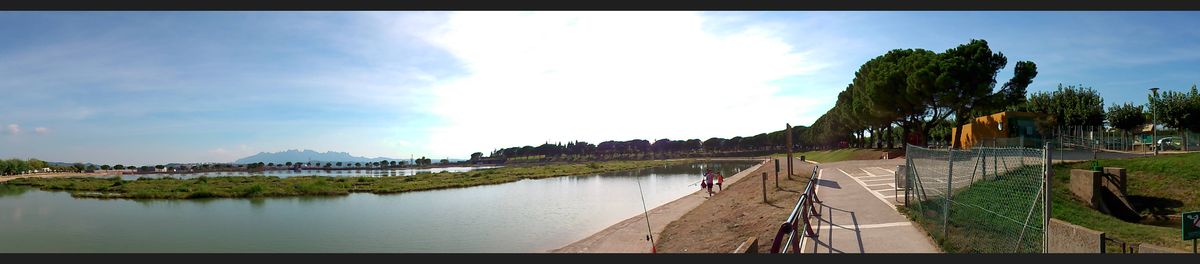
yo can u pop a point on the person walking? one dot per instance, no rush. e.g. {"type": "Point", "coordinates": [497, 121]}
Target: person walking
{"type": "Point", "coordinates": [708, 181]}
{"type": "Point", "coordinates": [720, 180]}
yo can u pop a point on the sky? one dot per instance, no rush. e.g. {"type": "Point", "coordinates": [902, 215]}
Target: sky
{"type": "Point", "coordinates": [147, 88]}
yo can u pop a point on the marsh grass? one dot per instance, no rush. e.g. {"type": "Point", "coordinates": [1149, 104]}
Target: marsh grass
{"type": "Point", "coordinates": [270, 186]}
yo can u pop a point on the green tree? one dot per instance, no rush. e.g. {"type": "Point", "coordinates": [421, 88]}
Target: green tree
{"type": "Point", "coordinates": [105, 167]}
{"type": "Point", "coordinates": [1126, 118]}
{"type": "Point", "coordinates": [1178, 110]}
{"type": "Point", "coordinates": [968, 78]}
{"type": "Point", "coordinates": [37, 164]}
{"type": "Point", "coordinates": [1070, 106]}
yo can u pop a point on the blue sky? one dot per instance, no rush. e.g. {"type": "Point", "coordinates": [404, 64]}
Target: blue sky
{"type": "Point", "coordinates": [158, 87]}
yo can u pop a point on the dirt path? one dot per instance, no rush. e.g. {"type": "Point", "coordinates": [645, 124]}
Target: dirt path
{"type": "Point", "coordinates": [629, 236]}
{"type": "Point", "coordinates": [722, 223]}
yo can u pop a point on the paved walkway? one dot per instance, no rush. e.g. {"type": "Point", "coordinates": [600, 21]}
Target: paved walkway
{"type": "Point", "coordinates": [858, 212]}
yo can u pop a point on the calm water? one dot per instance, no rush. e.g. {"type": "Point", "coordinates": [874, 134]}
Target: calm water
{"type": "Point", "coordinates": [331, 173]}
{"type": "Point", "coordinates": [524, 216]}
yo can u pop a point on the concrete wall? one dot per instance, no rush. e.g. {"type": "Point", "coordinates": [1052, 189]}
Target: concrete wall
{"type": "Point", "coordinates": [750, 246]}
{"type": "Point", "coordinates": [1068, 238]}
{"type": "Point", "coordinates": [1084, 184]}
{"type": "Point", "coordinates": [1116, 180]}
{"type": "Point", "coordinates": [1146, 248]}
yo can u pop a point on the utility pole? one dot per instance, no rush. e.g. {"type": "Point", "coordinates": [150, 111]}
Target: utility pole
{"type": "Point", "coordinates": [1154, 121]}
{"type": "Point", "coordinates": [789, 150]}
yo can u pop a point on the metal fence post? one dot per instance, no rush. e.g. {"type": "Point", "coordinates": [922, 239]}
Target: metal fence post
{"type": "Point", "coordinates": [907, 178]}
{"type": "Point", "coordinates": [1102, 242]}
{"type": "Point", "coordinates": [983, 162]}
{"type": "Point", "coordinates": [1048, 177]}
{"type": "Point", "coordinates": [949, 193]}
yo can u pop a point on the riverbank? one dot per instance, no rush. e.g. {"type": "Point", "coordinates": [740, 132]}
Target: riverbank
{"type": "Point", "coordinates": [629, 235]}
{"type": "Point", "coordinates": [266, 186]}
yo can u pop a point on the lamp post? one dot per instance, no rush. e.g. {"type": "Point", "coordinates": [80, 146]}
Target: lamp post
{"type": "Point", "coordinates": [1154, 121]}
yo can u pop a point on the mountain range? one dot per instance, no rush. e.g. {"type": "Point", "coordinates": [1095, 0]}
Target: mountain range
{"type": "Point", "coordinates": [306, 156]}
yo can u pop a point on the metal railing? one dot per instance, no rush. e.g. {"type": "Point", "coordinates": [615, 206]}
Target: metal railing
{"type": "Point", "coordinates": [799, 220]}
{"type": "Point", "coordinates": [1125, 247]}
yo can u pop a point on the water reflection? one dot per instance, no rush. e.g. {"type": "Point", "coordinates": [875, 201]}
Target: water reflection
{"type": "Point", "coordinates": [292, 173]}
{"type": "Point", "coordinates": [523, 216]}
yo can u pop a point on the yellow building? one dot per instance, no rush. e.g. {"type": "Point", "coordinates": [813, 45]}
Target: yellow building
{"type": "Point", "coordinates": [1001, 129]}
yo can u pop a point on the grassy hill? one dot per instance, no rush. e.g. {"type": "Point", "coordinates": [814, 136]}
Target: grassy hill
{"type": "Point", "coordinates": [1163, 185]}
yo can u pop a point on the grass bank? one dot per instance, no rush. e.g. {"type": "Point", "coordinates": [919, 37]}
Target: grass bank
{"type": "Point", "coordinates": [270, 186]}
{"type": "Point", "coordinates": [824, 156]}
{"type": "Point", "coordinates": [998, 215]}
{"type": "Point", "coordinates": [1163, 185]}
{"type": "Point", "coordinates": [1158, 186]}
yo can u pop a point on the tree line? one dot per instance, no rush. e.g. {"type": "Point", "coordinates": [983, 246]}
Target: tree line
{"type": "Point", "coordinates": [19, 166]}
{"type": "Point", "coordinates": [917, 91]}
{"type": "Point", "coordinates": [772, 141]}
{"type": "Point", "coordinates": [915, 96]}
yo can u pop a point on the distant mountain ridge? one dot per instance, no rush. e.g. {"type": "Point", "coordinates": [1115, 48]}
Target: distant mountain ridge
{"type": "Point", "coordinates": [306, 156]}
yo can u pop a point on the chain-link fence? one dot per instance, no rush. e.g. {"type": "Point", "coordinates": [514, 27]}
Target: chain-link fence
{"type": "Point", "coordinates": [1009, 142]}
{"type": "Point", "coordinates": [987, 200]}
{"type": "Point", "coordinates": [1101, 138]}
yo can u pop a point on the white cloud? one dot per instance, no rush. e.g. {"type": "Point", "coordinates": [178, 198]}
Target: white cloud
{"type": "Point", "coordinates": [403, 143]}
{"type": "Point", "coordinates": [221, 154]}
{"type": "Point", "coordinates": [41, 130]}
{"type": "Point", "coordinates": [560, 76]}
{"type": "Point", "coordinates": [13, 129]}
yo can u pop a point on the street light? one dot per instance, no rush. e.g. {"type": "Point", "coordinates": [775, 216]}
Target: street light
{"type": "Point", "coordinates": [1154, 121]}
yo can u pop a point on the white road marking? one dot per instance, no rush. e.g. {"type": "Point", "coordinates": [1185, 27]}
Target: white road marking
{"type": "Point", "coordinates": [864, 185]}
{"type": "Point", "coordinates": [875, 178]}
{"type": "Point", "coordinates": [879, 181]}
{"type": "Point", "coordinates": [860, 227]}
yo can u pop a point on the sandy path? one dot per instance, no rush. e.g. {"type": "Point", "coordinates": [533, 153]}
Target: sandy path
{"type": "Point", "coordinates": [722, 223]}
{"type": "Point", "coordinates": [629, 236]}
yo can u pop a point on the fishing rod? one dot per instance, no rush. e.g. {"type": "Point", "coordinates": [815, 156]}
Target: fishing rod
{"type": "Point", "coordinates": [649, 231]}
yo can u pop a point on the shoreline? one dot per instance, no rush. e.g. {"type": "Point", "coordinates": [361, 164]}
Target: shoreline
{"type": "Point", "coordinates": [270, 186]}
{"type": "Point", "coordinates": [629, 235]}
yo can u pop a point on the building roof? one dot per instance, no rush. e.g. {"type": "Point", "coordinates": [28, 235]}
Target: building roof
{"type": "Point", "coordinates": [1146, 128]}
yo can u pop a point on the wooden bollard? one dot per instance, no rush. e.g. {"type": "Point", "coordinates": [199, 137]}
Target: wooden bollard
{"type": "Point", "coordinates": [776, 173]}
{"type": "Point", "coordinates": [764, 180]}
